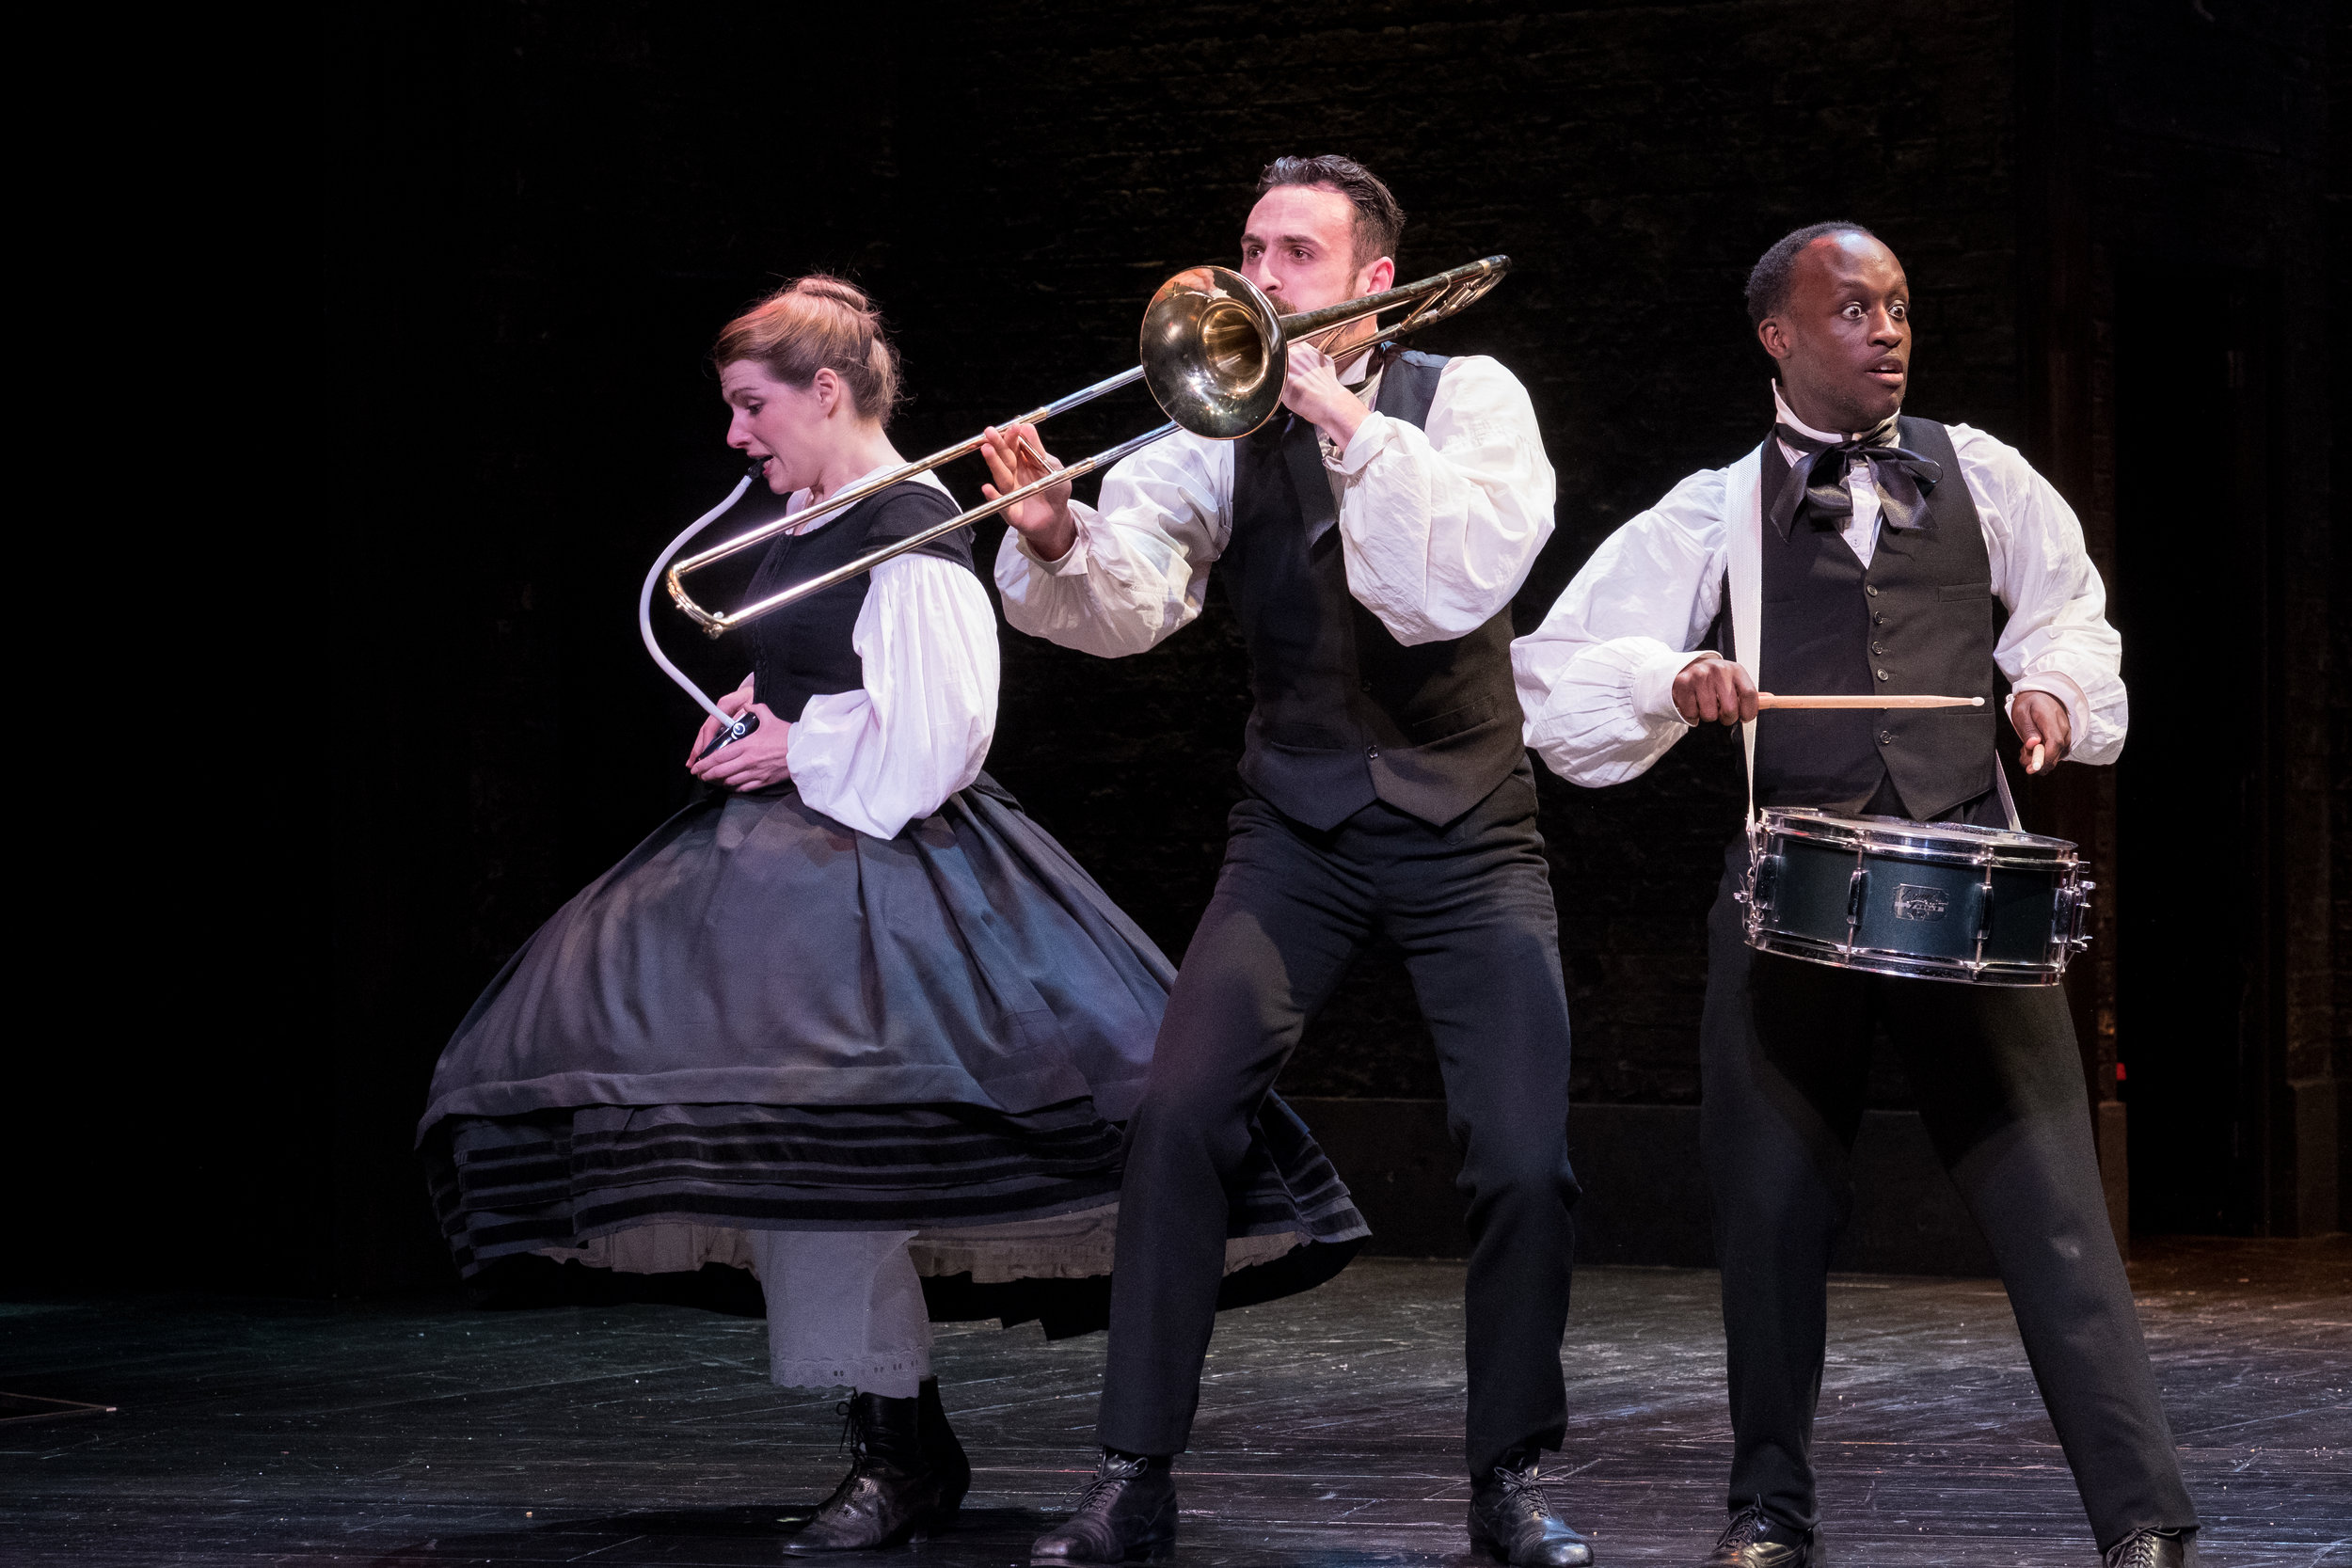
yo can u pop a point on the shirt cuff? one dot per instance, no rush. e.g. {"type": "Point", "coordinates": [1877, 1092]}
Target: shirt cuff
{"type": "Point", "coordinates": [1072, 563]}
{"type": "Point", "coordinates": [1653, 684]}
{"type": "Point", "coordinates": [1363, 445]}
{"type": "Point", "coordinates": [2063, 688]}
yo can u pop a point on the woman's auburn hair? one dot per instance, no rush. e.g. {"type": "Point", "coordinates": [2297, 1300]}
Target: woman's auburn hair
{"type": "Point", "coordinates": [812, 323]}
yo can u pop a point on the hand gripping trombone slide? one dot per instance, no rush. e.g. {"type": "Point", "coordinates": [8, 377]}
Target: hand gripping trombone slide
{"type": "Point", "coordinates": [1214, 353]}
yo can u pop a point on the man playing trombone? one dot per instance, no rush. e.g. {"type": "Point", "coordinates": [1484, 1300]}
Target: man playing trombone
{"type": "Point", "coordinates": [1372, 536]}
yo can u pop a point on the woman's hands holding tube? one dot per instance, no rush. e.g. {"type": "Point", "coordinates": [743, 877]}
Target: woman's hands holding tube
{"type": "Point", "coordinates": [733, 702]}
{"type": "Point", "coordinates": [754, 762]}
{"type": "Point", "coordinates": [1044, 519]}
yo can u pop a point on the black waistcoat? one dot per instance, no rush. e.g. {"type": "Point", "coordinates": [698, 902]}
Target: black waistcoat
{"type": "Point", "coordinates": [804, 650]}
{"type": "Point", "coordinates": [1919, 619]}
{"type": "Point", "coordinates": [1344, 713]}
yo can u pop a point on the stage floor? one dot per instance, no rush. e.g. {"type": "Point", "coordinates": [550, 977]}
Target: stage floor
{"type": "Point", "coordinates": [252, 1432]}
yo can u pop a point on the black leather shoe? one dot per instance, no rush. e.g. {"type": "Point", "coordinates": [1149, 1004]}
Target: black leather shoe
{"type": "Point", "coordinates": [1511, 1521]}
{"type": "Point", "coordinates": [940, 1447]}
{"type": "Point", "coordinates": [2153, 1549]}
{"type": "Point", "coordinates": [1749, 1544]}
{"type": "Point", "coordinates": [892, 1485]}
{"type": "Point", "coordinates": [1127, 1513]}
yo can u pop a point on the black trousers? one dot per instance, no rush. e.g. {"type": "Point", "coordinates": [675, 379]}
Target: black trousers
{"type": "Point", "coordinates": [1471, 906]}
{"type": "Point", "coordinates": [1784, 1051]}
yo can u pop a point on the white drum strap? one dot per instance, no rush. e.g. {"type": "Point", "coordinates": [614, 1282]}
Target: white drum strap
{"type": "Point", "coordinates": [2000, 782]}
{"type": "Point", "coordinates": [1743, 514]}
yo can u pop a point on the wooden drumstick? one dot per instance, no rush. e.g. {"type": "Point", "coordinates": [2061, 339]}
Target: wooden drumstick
{"type": "Point", "coordinates": [1765, 700]}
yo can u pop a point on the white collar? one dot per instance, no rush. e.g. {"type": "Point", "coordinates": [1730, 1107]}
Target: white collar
{"type": "Point", "coordinates": [1780, 407]}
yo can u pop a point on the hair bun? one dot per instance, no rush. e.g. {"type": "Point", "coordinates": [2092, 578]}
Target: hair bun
{"type": "Point", "coordinates": [817, 323]}
{"type": "Point", "coordinates": [823, 286]}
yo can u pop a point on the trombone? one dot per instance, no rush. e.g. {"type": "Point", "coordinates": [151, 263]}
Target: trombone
{"type": "Point", "coordinates": [1214, 355]}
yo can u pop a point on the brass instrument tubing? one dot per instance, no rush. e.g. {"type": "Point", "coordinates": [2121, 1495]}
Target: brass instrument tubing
{"type": "Point", "coordinates": [867, 563]}
{"type": "Point", "coordinates": [1428, 300]}
{"type": "Point", "coordinates": [858, 492]}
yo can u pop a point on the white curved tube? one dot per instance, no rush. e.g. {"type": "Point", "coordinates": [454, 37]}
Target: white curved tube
{"type": "Point", "coordinates": [645, 602]}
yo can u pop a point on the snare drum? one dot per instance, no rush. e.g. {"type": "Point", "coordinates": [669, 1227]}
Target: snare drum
{"type": "Point", "coordinates": [1928, 900]}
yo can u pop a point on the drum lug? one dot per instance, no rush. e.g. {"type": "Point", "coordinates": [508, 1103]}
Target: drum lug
{"type": "Point", "coordinates": [2078, 918]}
{"type": "Point", "coordinates": [1985, 915]}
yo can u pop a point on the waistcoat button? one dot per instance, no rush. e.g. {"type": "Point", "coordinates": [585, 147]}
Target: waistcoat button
{"type": "Point", "coordinates": [1871, 589]}
{"type": "Point", "coordinates": [1886, 737]}
{"type": "Point", "coordinates": [1372, 753]}
{"type": "Point", "coordinates": [1878, 647]}
{"type": "Point", "coordinates": [1884, 677]}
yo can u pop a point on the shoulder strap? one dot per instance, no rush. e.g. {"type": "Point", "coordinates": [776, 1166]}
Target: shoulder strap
{"type": "Point", "coordinates": [909, 508]}
{"type": "Point", "coordinates": [1743, 524]}
{"type": "Point", "coordinates": [1409, 385]}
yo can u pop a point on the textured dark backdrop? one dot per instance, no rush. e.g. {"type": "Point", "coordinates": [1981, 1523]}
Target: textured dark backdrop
{"type": "Point", "coordinates": [1011, 184]}
{"type": "Point", "coordinates": [538, 215]}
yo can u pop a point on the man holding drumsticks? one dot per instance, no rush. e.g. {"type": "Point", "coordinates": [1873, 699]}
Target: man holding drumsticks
{"type": "Point", "coordinates": [1369, 537]}
{"type": "Point", "coordinates": [1898, 558]}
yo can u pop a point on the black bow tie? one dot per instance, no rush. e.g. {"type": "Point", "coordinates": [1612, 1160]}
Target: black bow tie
{"type": "Point", "coordinates": [1819, 475]}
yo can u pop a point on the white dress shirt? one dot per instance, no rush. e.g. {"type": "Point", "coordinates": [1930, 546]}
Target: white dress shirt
{"type": "Point", "coordinates": [1437, 525]}
{"type": "Point", "coordinates": [892, 750]}
{"type": "Point", "coordinates": [1596, 680]}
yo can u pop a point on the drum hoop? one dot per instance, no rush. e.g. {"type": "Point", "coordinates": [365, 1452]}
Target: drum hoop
{"type": "Point", "coordinates": [1921, 842]}
{"type": "Point", "coordinates": [1909, 966]}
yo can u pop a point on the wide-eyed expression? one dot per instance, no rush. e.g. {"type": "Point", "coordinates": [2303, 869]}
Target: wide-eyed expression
{"type": "Point", "coordinates": [1843, 334]}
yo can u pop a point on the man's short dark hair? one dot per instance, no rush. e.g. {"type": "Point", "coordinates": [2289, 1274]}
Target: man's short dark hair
{"type": "Point", "coordinates": [1767, 282]}
{"type": "Point", "coordinates": [1378, 219]}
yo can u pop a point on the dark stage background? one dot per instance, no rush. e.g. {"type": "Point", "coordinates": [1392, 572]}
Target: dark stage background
{"type": "Point", "coordinates": [537, 217]}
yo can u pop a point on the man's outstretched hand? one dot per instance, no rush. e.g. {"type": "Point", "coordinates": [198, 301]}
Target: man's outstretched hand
{"type": "Point", "coordinates": [1045, 518]}
{"type": "Point", "coordinates": [1714, 691]}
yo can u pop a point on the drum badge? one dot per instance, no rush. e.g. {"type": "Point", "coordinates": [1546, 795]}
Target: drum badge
{"type": "Point", "coordinates": [1914, 902]}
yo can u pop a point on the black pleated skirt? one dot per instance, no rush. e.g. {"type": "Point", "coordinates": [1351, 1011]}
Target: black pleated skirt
{"type": "Point", "coordinates": [762, 1018]}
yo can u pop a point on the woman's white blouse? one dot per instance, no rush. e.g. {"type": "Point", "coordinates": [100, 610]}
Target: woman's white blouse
{"type": "Point", "coordinates": [893, 750]}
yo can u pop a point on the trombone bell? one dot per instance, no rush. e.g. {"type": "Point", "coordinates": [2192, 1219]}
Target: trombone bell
{"type": "Point", "coordinates": [1213, 353]}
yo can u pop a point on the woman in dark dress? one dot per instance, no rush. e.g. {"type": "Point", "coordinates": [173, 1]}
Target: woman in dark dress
{"type": "Point", "coordinates": [852, 1019]}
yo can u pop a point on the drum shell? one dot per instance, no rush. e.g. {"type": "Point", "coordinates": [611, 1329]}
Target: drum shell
{"type": "Point", "coordinates": [1893, 900]}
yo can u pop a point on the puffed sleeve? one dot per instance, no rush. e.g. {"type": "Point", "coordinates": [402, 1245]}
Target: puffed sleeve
{"type": "Point", "coordinates": [1596, 680]}
{"type": "Point", "coordinates": [2057, 638]}
{"type": "Point", "coordinates": [1142, 562]}
{"type": "Point", "coordinates": [1442, 525]}
{"type": "Point", "coordinates": [918, 731]}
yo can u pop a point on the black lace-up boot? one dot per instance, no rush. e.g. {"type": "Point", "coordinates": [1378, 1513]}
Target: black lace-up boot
{"type": "Point", "coordinates": [2153, 1549]}
{"type": "Point", "coordinates": [941, 1448]}
{"type": "Point", "coordinates": [1126, 1513]}
{"type": "Point", "coordinates": [1512, 1521]}
{"type": "Point", "coordinates": [892, 1485]}
{"type": "Point", "coordinates": [1755, 1539]}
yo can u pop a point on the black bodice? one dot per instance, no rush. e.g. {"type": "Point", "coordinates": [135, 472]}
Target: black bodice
{"type": "Point", "coordinates": [804, 650]}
